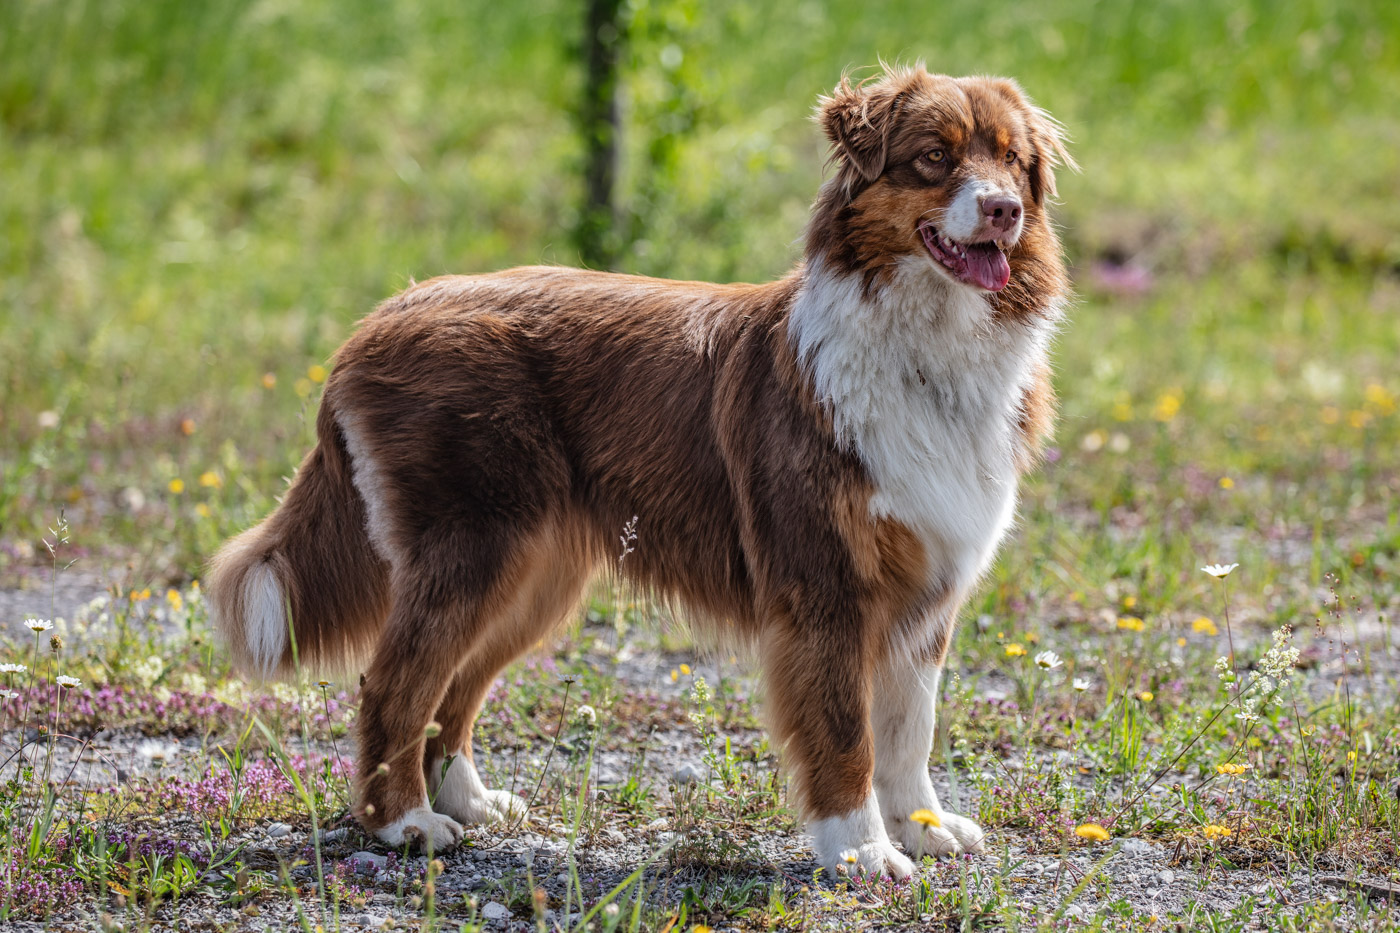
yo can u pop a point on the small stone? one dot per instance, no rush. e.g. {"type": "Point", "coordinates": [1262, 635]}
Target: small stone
{"type": "Point", "coordinates": [1166, 877]}
{"type": "Point", "coordinates": [1136, 848]}
{"type": "Point", "coordinates": [659, 823]}
{"type": "Point", "coordinates": [613, 836]}
{"type": "Point", "coordinates": [563, 877]}
{"type": "Point", "coordinates": [278, 830]}
{"type": "Point", "coordinates": [687, 774]}
{"type": "Point", "coordinates": [367, 863]}
{"type": "Point", "coordinates": [1074, 912]}
{"type": "Point", "coordinates": [333, 835]}
{"type": "Point", "coordinates": [495, 911]}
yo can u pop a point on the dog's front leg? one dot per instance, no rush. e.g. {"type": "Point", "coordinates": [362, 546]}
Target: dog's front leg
{"type": "Point", "coordinates": [819, 686]}
{"type": "Point", "coordinates": [904, 705]}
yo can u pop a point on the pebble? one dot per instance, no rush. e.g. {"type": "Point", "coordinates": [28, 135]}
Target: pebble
{"type": "Point", "coordinates": [1136, 848]}
{"type": "Point", "coordinates": [1166, 877]}
{"type": "Point", "coordinates": [367, 863]}
{"type": "Point", "coordinates": [659, 823]}
{"type": "Point", "coordinates": [495, 911]}
{"type": "Point", "coordinates": [687, 774]}
{"type": "Point", "coordinates": [278, 830]}
{"type": "Point", "coordinates": [334, 835]}
{"type": "Point", "coordinates": [1074, 912]}
{"type": "Point", "coordinates": [614, 836]}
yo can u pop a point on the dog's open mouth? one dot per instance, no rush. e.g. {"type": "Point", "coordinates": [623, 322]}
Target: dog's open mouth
{"type": "Point", "coordinates": [981, 264]}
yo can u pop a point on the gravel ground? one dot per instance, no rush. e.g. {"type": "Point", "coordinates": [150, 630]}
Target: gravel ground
{"type": "Point", "coordinates": [1151, 877]}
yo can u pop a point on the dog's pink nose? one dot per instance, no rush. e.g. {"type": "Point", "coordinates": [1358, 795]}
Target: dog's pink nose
{"type": "Point", "coordinates": [1002, 212]}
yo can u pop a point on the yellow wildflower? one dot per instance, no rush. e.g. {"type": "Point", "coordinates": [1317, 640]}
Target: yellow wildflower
{"type": "Point", "coordinates": [1232, 768]}
{"type": "Point", "coordinates": [210, 480]}
{"type": "Point", "coordinates": [1014, 650]}
{"type": "Point", "coordinates": [1203, 626]}
{"type": "Point", "coordinates": [685, 669]}
{"type": "Point", "coordinates": [1166, 408]}
{"type": "Point", "coordinates": [1092, 831]}
{"type": "Point", "coordinates": [925, 817]}
{"type": "Point", "coordinates": [1132, 623]}
{"type": "Point", "coordinates": [1214, 831]}
{"type": "Point", "coordinates": [1226, 483]}
{"type": "Point", "coordinates": [1145, 696]}
{"type": "Point", "coordinates": [269, 380]}
{"type": "Point", "coordinates": [173, 597]}
{"type": "Point", "coordinates": [316, 373]}
{"type": "Point", "coordinates": [177, 486]}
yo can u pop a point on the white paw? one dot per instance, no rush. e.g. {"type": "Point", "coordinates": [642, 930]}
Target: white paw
{"type": "Point", "coordinates": [871, 860]}
{"type": "Point", "coordinates": [461, 795]}
{"type": "Point", "coordinates": [422, 827]}
{"type": "Point", "coordinates": [953, 835]}
{"type": "Point", "coordinates": [856, 844]}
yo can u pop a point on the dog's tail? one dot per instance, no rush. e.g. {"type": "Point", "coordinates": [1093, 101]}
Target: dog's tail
{"type": "Point", "coordinates": [311, 558]}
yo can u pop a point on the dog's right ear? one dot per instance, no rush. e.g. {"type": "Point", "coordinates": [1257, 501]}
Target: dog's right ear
{"type": "Point", "coordinates": [858, 120]}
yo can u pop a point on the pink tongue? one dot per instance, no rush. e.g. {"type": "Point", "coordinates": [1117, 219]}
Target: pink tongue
{"type": "Point", "coordinates": [987, 266]}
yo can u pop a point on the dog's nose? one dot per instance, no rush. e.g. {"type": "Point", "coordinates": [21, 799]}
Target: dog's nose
{"type": "Point", "coordinates": [1002, 212]}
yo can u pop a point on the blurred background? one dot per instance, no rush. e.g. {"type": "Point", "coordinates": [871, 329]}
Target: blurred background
{"type": "Point", "coordinates": [198, 200]}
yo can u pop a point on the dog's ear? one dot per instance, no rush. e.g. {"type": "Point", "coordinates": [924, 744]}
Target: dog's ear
{"type": "Point", "coordinates": [858, 119]}
{"type": "Point", "coordinates": [1047, 142]}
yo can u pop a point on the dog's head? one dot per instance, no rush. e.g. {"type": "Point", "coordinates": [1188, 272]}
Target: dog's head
{"type": "Point", "coordinates": [958, 169]}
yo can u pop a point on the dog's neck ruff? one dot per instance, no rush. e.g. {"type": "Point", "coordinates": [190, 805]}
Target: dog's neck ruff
{"type": "Point", "coordinates": [925, 386]}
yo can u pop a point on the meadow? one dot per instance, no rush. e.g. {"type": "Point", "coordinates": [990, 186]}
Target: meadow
{"type": "Point", "coordinates": [200, 200]}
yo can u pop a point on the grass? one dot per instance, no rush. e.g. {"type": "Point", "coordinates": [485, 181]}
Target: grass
{"type": "Point", "coordinates": [201, 200]}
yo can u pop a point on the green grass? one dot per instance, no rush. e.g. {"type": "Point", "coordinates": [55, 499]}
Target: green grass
{"type": "Point", "coordinates": [201, 199]}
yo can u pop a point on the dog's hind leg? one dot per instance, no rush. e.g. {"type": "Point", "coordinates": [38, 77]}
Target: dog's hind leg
{"type": "Point", "coordinates": [546, 594]}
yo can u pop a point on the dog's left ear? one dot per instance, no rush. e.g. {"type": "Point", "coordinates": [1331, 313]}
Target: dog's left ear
{"type": "Point", "coordinates": [1047, 142]}
{"type": "Point", "coordinates": [858, 120]}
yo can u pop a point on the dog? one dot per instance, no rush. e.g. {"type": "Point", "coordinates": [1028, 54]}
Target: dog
{"type": "Point", "coordinates": [822, 467]}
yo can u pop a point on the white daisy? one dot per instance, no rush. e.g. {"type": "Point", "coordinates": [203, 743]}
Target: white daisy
{"type": "Point", "coordinates": [1080, 684]}
{"type": "Point", "coordinates": [65, 681]}
{"type": "Point", "coordinates": [1048, 660]}
{"type": "Point", "coordinates": [12, 668]}
{"type": "Point", "coordinates": [39, 625]}
{"type": "Point", "coordinates": [1219, 571]}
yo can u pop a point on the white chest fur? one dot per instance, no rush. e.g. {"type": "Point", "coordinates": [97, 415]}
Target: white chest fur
{"type": "Point", "coordinates": [926, 388]}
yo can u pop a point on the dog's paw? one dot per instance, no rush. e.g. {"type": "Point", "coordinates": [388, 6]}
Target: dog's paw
{"type": "Point", "coordinates": [424, 828]}
{"type": "Point", "coordinates": [953, 836]}
{"type": "Point", "coordinates": [968, 834]}
{"type": "Point", "coordinates": [462, 796]}
{"type": "Point", "coordinates": [877, 859]}
{"type": "Point", "coordinates": [856, 845]}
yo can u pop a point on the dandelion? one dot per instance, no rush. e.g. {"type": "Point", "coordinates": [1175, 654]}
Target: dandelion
{"type": "Point", "coordinates": [1014, 650]}
{"type": "Point", "coordinates": [1166, 408]}
{"type": "Point", "coordinates": [925, 818]}
{"type": "Point", "coordinates": [1048, 660]}
{"type": "Point", "coordinates": [1092, 831]}
{"type": "Point", "coordinates": [1145, 696]}
{"type": "Point", "coordinates": [1131, 624]}
{"type": "Point", "coordinates": [1214, 831]}
{"type": "Point", "coordinates": [1204, 626]}
{"type": "Point", "coordinates": [63, 680]}
{"type": "Point", "coordinates": [316, 373]}
{"type": "Point", "coordinates": [1080, 684]}
{"type": "Point", "coordinates": [1219, 571]}
{"type": "Point", "coordinates": [177, 485]}
{"type": "Point", "coordinates": [39, 625]}
{"type": "Point", "coordinates": [210, 480]}
{"type": "Point", "coordinates": [1226, 483]}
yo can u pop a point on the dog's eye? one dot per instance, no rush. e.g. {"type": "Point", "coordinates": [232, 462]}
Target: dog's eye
{"type": "Point", "coordinates": [937, 155]}
{"type": "Point", "coordinates": [1010, 156]}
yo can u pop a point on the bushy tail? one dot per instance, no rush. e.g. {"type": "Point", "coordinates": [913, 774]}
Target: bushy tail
{"type": "Point", "coordinates": [312, 556]}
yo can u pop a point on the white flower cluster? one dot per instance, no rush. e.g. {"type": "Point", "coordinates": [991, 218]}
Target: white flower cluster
{"type": "Point", "coordinates": [1274, 672]}
{"type": "Point", "coordinates": [148, 671]}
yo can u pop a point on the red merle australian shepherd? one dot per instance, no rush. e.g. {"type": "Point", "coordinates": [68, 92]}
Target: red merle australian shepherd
{"type": "Point", "coordinates": [823, 467]}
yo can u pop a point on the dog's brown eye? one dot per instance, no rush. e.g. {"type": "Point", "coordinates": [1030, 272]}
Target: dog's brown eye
{"type": "Point", "coordinates": [936, 155]}
{"type": "Point", "coordinates": [1010, 156]}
